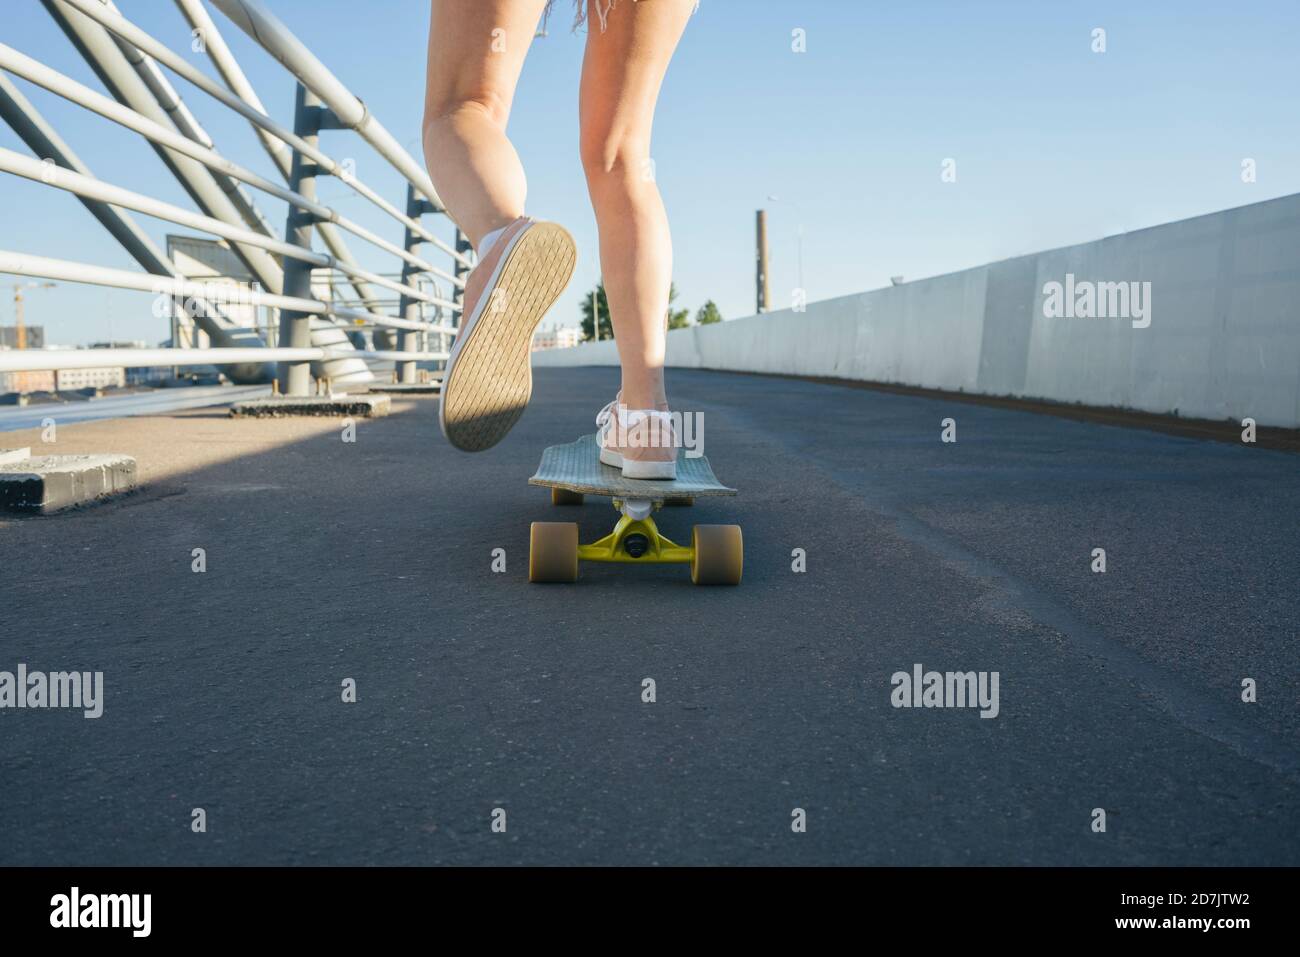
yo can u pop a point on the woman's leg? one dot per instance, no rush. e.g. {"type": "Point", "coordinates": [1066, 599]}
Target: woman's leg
{"type": "Point", "coordinates": [622, 71]}
{"type": "Point", "coordinates": [476, 51]}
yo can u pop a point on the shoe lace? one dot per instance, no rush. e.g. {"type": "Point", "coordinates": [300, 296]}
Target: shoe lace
{"type": "Point", "coordinates": [605, 414]}
{"type": "Point", "coordinates": [633, 415]}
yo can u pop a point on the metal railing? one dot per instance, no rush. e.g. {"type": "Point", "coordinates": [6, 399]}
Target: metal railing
{"type": "Point", "coordinates": [290, 276]}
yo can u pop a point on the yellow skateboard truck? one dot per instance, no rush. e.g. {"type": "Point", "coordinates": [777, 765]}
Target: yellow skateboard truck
{"type": "Point", "coordinates": [716, 552]}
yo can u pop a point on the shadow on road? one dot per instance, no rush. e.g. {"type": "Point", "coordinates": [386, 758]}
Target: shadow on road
{"type": "Point", "coordinates": [372, 561]}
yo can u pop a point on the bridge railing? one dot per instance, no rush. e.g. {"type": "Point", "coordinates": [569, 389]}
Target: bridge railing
{"type": "Point", "coordinates": [287, 270]}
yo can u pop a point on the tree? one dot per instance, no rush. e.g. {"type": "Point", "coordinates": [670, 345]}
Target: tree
{"type": "Point", "coordinates": [677, 318]}
{"type": "Point", "coordinates": [588, 325]}
{"type": "Point", "coordinates": [708, 314]}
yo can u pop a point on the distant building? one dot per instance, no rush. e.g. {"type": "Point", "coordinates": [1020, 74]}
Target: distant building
{"type": "Point", "coordinates": [213, 261]}
{"type": "Point", "coordinates": [66, 380]}
{"type": "Point", "coordinates": [35, 337]}
{"type": "Point", "coordinates": [148, 375]}
{"type": "Point", "coordinates": [42, 381]}
{"type": "Point", "coordinates": [562, 337]}
{"type": "Point", "coordinates": [143, 375]}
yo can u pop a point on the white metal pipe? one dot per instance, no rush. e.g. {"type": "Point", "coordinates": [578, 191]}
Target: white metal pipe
{"type": "Point", "coordinates": [24, 66]}
{"type": "Point", "coordinates": [106, 59]}
{"type": "Point", "coordinates": [128, 31]}
{"type": "Point", "coordinates": [92, 188]}
{"type": "Point", "coordinates": [170, 100]}
{"type": "Point", "coordinates": [352, 269]}
{"type": "Point", "coordinates": [393, 354]}
{"type": "Point", "coordinates": [40, 360]}
{"type": "Point", "coordinates": [37, 360]}
{"type": "Point", "coordinates": [214, 44]}
{"type": "Point", "coordinates": [60, 178]}
{"type": "Point", "coordinates": [421, 264]}
{"type": "Point", "coordinates": [64, 86]}
{"type": "Point", "coordinates": [43, 267]}
{"type": "Point", "coordinates": [258, 22]}
{"type": "Point", "coordinates": [42, 139]}
{"type": "Point", "coordinates": [211, 191]}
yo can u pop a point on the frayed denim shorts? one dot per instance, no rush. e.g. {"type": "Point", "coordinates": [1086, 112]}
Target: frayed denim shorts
{"type": "Point", "coordinates": [601, 8]}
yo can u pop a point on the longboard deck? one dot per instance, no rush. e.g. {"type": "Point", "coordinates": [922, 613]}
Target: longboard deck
{"type": "Point", "coordinates": [577, 467]}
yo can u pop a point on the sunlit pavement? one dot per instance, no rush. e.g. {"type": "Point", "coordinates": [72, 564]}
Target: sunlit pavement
{"type": "Point", "coordinates": [327, 560]}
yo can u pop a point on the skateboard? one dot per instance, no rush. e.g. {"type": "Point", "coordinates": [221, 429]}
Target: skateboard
{"type": "Point", "coordinates": [716, 552]}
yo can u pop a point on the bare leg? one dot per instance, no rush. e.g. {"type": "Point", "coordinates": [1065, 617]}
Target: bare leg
{"type": "Point", "coordinates": [622, 71]}
{"type": "Point", "coordinates": [476, 51]}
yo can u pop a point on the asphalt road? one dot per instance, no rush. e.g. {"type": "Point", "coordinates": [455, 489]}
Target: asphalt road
{"type": "Point", "coordinates": [475, 690]}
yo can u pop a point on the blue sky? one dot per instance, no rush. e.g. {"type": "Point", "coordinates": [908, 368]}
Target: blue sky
{"type": "Point", "coordinates": [1054, 144]}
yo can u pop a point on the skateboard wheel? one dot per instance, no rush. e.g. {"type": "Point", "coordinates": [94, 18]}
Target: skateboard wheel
{"type": "Point", "coordinates": [718, 555]}
{"type": "Point", "coordinates": [553, 552]}
{"type": "Point", "coordinates": [680, 500]}
{"type": "Point", "coordinates": [563, 496]}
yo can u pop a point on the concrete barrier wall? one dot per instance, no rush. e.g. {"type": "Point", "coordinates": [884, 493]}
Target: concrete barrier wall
{"type": "Point", "coordinates": [1223, 340]}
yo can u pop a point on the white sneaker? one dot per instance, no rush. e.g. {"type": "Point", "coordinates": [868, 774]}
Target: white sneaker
{"type": "Point", "coordinates": [489, 377]}
{"type": "Point", "coordinates": [641, 442]}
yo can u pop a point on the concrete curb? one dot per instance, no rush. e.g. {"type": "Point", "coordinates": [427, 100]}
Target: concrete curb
{"type": "Point", "coordinates": [360, 406]}
{"type": "Point", "coordinates": [51, 483]}
{"type": "Point", "coordinates": [408, 388]}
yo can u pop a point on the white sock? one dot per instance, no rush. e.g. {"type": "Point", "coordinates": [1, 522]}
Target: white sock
{"type": "Point", "coordinates": [485, 245]}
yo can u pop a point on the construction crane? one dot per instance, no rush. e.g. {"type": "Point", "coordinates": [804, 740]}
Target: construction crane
{"type": "Point", "coordinates": [20, 330]}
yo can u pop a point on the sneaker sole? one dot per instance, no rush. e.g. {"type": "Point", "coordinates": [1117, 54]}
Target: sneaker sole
{"type": "Point", "coordinates": [610, 457]}
{"type": "Point", "coordinates": [489, 383]}
{"type": "Point", "coordinates": [639, 470]}
{"type": "Point", "coordinates": [661, 471]}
